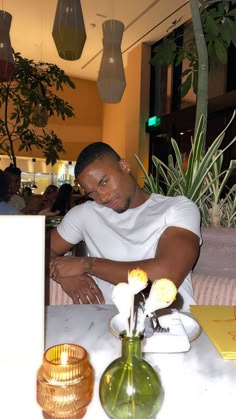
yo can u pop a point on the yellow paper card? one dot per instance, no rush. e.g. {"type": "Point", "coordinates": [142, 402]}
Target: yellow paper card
{"type": "Point", "coordinates": [219, 323]}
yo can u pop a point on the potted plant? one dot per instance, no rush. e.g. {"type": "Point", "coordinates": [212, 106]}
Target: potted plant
{"type": "Point", "coordinates": [27, 101]}
{"type": "Point", "coordinates": [203, 181]}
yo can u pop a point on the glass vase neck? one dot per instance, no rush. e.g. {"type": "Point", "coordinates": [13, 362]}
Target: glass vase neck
{"type": "Point", "coordinates": [131, 347]}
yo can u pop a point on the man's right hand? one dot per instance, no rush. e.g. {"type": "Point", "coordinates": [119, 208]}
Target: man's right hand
{"type": "Point", "coordinates": [82, 289]}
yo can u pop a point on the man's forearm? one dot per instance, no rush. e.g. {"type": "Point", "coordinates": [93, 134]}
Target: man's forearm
{"type": "Point", "coordinates": [175, 256]}
{"type": "Point", "coordinates": [108, 270]}
{"type": "Point", "coordinates": [115, 272]}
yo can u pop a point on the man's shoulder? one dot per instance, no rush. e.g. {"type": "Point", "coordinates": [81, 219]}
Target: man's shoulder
{"type": "Point", "coordinates": [82, 209]}
{"type": "Point", "coordinates": [171, 204]}
{"type": "Point", "coordinates": [170, 200]}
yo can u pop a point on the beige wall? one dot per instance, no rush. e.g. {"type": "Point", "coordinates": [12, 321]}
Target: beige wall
{"type": "Point", "coordinates": [121, 125]}
{"type": "Point", "coordinates": [86, 127]}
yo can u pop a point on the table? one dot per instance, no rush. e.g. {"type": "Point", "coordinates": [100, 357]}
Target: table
{"type": "Point", "coordinates": [198, 383]}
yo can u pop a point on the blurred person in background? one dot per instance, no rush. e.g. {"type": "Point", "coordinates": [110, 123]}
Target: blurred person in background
{"type": "Point", "coordinates": [76, 188]}
{"type": "Point", "coordinates": [14, 181]}
{"type": "Point", "coordinates": [63, 201]}
{"type": "Point", "coordinates": [48, 198]}
{"type": "Point", "coordinates": [27, 194]}
{"type": "Point", "coordinates": [5, 207]}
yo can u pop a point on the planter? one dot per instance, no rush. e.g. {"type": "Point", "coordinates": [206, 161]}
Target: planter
{"type": "Point", "coordinates": [217, 253]}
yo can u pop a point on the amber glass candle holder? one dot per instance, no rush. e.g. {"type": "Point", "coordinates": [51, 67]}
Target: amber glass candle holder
{"type": "Point", "coordinates": [65, 382]}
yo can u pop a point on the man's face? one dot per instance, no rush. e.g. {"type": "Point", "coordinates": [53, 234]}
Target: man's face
{"type": "Point", "coordinates": [109, 183]}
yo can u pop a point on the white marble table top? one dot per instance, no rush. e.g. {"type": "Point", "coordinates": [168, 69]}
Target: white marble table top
{"type": "Point", "coordinates": [198, 383]}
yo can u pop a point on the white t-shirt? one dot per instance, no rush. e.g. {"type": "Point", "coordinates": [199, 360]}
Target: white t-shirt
{"type": "Point", "coordinates": [131, 235]}
{"type": "Point", "coordinates": [17, 202]}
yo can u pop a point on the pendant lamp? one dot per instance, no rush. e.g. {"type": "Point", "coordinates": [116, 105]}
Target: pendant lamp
{"type": "Point", "coordinates": [111, 77]}
{"type": "Point", "coordinates": [68, 30]}
{"type": "Point", "coordinates": [7, 65]}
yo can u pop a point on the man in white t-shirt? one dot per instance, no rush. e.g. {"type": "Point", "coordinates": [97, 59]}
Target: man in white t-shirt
{"type": "Point", "coordinates": [124, 228]}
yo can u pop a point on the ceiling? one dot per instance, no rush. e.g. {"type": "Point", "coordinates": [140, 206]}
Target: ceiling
{"type": "Point", "coordinates": [144, 20]}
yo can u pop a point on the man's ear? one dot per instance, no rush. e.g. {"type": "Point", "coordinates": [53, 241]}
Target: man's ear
{"type": "Point", "coordinates": [124, 165]}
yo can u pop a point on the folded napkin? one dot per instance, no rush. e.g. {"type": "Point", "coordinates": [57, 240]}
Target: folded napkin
{"type": "Point", "coordinates": [219, 324]}
{"type": "Point", "coordinates": [176, 340]}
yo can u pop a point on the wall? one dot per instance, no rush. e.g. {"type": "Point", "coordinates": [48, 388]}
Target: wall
{"type": "Point", "coordinates": [124, 123]}
{"type": "Point", "coordinates": [77, 132]}
{"type": "Point", "coordinates": [86, 127]}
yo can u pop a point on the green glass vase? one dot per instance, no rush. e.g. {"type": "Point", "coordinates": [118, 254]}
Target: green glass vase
{"type": "Point", "coordinates": [130, 387]}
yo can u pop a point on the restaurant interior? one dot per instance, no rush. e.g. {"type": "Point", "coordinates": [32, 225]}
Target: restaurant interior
{"type": "Point", "coordinates": [121, 124]}
{"type": "Point", "coordinates": [192, 374]}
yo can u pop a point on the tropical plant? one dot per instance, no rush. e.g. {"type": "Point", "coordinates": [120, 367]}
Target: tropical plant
{"type": "Point", "coordinates": [204, 181]}
{"type": "Point", "coordinates": [219, 28]}
{"type": "Point", "coordinates": [26, 102]}
{"type": "Point", "coordinates": [213, 30]}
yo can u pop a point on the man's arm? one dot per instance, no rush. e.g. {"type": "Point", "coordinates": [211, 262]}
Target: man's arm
{"type": "Point", "coordinates": [80, 287]}
{"type": "Point", "coordinates": [58, 245]}
{"type": "Point", "coordinates": [176, 254]}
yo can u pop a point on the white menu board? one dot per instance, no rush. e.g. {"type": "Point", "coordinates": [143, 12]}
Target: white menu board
{"type": "Point", "coordinates": [22, 248]}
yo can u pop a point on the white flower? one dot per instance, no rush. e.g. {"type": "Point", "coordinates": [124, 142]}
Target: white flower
{"type": "Point", "coordinates": [137, 280]}
{"type": "Point", "coordinates": [122, 297]}
{"type": "Point", "coordinates": [162, 294]}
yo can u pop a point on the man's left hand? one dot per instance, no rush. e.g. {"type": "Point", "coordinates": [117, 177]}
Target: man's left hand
{"type": "Point", "coordinates": [82, 289]}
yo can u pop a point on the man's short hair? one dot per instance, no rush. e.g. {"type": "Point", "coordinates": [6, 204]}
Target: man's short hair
{"type": "Point", "coordinates": [12, 170]}
{"type": "Point", "coordinates": [93, 152]}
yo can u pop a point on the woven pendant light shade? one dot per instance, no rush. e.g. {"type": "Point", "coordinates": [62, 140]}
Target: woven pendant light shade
{"type": "Point", "coordinates": [111, 77]}
{"type": "Point", "coordinates": [68, 30]}
{"type": "Point", "coordinates": [7, 65]}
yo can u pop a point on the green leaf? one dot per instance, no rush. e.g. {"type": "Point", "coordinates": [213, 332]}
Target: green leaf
{"type": "Point", "coordinates": [225, 32]}
{"type": "Point", "coordinates": [221, 51]}
{"type": "Point", "coordinates": [232, 13]}
{"type": "Point", "coordinates": [232, 27]}
{"type": "Point", "coordinates": [195, 81]}
{"type": "Point", "coordinates": [180, 55]}
{"type": "Point", "coordinates": [211, 26]}
{"type": "Point", "coordinates": [165, 52]}
{"type": "Point", "coordinates": [186, 85]}
{"type": "Point", "coordinates": [186, 72]}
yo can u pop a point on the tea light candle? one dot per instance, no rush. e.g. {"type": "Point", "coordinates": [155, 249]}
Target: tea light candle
{"type": "Point", "coordinates": [65, 382]}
